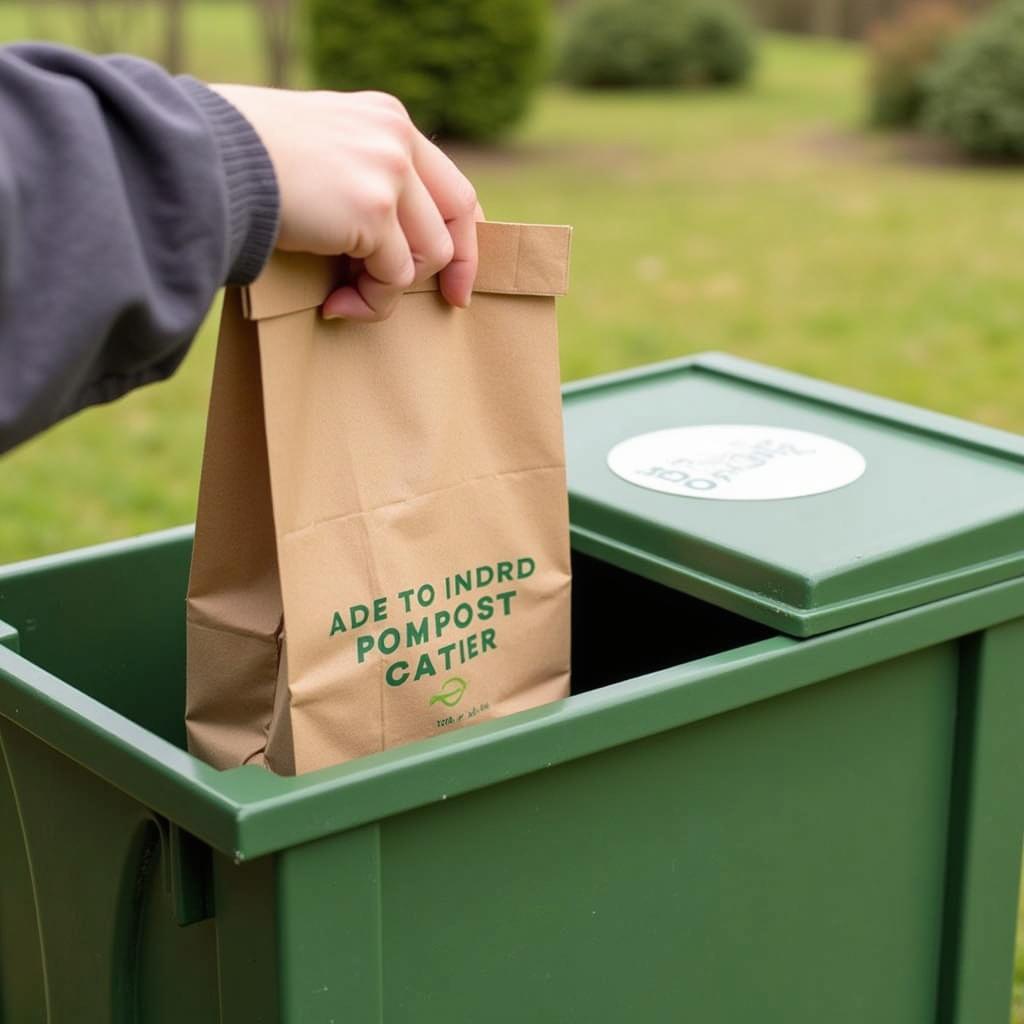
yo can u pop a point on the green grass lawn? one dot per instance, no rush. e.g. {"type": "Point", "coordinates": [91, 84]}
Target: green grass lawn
{"type": "Point", "coordinates": [760, 222]}
{"type": "Point", "coordinates": [763, 223]}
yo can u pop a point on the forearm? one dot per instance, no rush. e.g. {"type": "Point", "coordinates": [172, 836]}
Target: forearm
{"type": "Point", "coordinates": [127, 197]}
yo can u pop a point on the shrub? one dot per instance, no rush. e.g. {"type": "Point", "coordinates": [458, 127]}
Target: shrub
{"type": "Point", "coordinates": [902, 51]}
{"type": "Point", "coordinates": [463, 68]}
{"type": "Point", "coordinates": [621, 43]}
{"type": "Point", "coordinates": [977, 90]}
{"type": "Point", "coordinates": [657, 44]}
{"type": "Point", "coordinates": [722, 46]}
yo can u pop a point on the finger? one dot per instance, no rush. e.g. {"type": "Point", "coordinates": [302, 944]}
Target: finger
{"type": "Point", "coordinates": [425, 230]}
{"type": "Point", "coordinates": [456, 201]}
{"type": "Point", "coordinates": [386, 273]}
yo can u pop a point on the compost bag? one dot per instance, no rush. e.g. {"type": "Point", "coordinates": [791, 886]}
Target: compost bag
{"type": "Point", "coordinates": [381, 549]}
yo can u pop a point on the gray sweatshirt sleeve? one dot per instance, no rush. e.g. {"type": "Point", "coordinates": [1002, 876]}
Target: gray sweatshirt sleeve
{"type": "Point", "coordinates": [127, 198]}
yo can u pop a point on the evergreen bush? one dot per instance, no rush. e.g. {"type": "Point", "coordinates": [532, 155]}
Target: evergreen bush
{"type": "Point", "coordinates": [977, 90]}
{"type": "Point", "coordinates": [657, 44]}
{"type": "Point", "coordinates": [463, 68]}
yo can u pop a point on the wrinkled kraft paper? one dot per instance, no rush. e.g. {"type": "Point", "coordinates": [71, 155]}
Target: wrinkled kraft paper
{"type": "Point", "coordinates": [381, 548]}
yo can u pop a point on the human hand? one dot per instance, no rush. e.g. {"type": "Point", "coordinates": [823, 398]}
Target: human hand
{"type": "Point", "coordinates": [356, 177]}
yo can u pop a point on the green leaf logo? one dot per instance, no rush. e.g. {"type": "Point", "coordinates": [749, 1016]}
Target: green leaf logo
{"type": "Point", "coordinates": [451, 692]}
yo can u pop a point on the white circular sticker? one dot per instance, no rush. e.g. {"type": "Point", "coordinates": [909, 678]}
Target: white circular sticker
{"type": "Point", "coordinates": [736, 462]}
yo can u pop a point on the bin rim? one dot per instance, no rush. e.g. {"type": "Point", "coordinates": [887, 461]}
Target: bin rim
{"type": "Point", "coordinates": [247, 812]}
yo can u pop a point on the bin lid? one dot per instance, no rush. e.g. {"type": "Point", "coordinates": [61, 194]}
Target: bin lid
{"type": "Point", "coordinates": [796, 503]}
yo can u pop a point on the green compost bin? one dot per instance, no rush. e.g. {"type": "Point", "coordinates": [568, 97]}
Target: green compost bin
{"type": "Point", "coordinates": [787, 787]}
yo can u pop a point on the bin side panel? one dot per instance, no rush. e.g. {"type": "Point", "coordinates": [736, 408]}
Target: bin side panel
{"type": "Point", "coordinates": [985, 831]}
{"type": "Point", "coordinates": [22, 984]}
{"type": "Point", "coordinates": [105, 920]}
{"type": "Point", "coordinates": [247, 940]}
{"type": "Point", "coordinates": [111, 624]}
{"type": "Point", "coordinates": [329, 900]}
{"type": "Point", "coordinates": [783, 862]}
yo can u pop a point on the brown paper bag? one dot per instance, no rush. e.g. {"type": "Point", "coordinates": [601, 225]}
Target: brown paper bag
{"type": "Point", "coordinates": [381, 548]}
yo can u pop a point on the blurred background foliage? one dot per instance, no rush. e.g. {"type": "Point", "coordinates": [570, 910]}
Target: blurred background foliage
{"type": "Point", "coordinates": [657, 44]}
{"type": "Point", "coordinates": [771, 219]}
{"type": "Point", "coordinates": [936, 72]}
{"type": "Point", "coordinates": [904, 51]}
{"type": "Point", "coordinates": [767, 218]}
{"type": "Point", "coordinates": [847, 19]}
{"type": "Point", "coordinates": [975, 91]}
{"type": "Point", "coordinates": [464, 68]}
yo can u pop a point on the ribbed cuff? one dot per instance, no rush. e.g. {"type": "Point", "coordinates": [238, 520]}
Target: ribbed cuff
{"type": "Point", "coordinates": [254, 201]}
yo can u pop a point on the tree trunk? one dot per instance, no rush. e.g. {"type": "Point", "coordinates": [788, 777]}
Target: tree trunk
{"type": "Point", "coordinates": [174, 36]}
{"type": "Point", "coordinates": [276, 19]}
{"type": "Point", "coordinates": [106, 23]}
{"type": "Point", "coordinates": [827, 17]}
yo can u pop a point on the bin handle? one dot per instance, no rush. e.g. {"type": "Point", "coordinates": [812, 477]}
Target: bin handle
{"type": "Point", "coordinates": [186, 868]}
